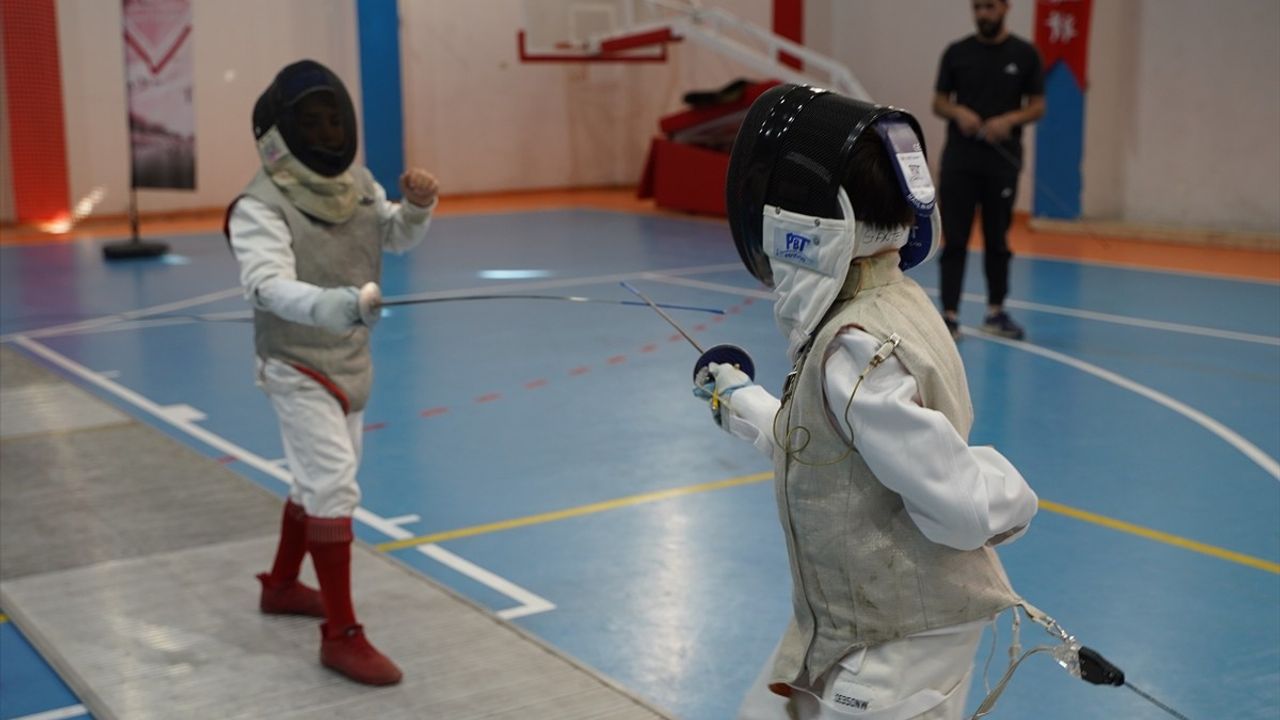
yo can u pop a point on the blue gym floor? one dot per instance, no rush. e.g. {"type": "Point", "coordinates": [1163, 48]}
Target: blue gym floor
{"type": "Point", "coordinates": [547, 459]}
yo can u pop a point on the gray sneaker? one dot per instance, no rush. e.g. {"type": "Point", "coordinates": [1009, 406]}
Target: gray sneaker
{"type": "Point", "coordinates": [1001, 324]}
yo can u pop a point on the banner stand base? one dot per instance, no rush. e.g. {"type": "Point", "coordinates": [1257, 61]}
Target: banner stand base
{"type": "Point", "coordinates": [134, 249]}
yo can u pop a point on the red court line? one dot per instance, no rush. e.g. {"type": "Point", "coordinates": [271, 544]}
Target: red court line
{"type": "Point", "coordinates": [542, 382]}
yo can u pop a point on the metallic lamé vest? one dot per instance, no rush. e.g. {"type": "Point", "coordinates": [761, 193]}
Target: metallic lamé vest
{"type": "Point", "coordinates": [862, 572]}
{"type": "Point", "coordinates": [327, 255]}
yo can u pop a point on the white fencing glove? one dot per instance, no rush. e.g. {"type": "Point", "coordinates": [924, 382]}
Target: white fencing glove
{"type": "Point", "coordinates": [336, 309]}
{"type": "Point", "coordinates": [716, 383]}
{"type": "Point", "coordinates": [370, 304]}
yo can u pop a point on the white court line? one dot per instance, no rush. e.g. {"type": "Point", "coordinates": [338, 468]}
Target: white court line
{"type": "Point", "coordinates": [1034, 307]}
{"type": "Point", "coordinates": [62, 713]}
{"type": "Point", "coordinates": [1140, 268]}
{"type": "Point", "coordinates": [118, 317]}
{"type": "Point", "coordinates": [498, 288]}
{"type": "Point", "coordinates": [120, 320]}
{"type": "Point", "coordinates": [1126, 320]}
{"type": "Point", "coordinates": [761, 293]}
{"type": "Point", "coordinates": [529, 602]}
{"type": "Point", "coordinates": [1251, 451]}
{"type": "Point", "coordinates": [1266, 462]}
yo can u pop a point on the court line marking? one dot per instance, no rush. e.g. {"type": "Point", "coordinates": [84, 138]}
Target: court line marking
{"type": "Point", "coordinates": [1123, 265]}
{"type": "Point", "coordinates": [1231, 437]}
{"type": "Point", "coordinates": [1251, 451]}
{"type": "Point", "coordinates": [498, 288]}
{"type": "Point", "coordinates": [628, 501]}
{"type": "Point", "coordinates": [529, 603]}
{"type": "Point", "coordinates": [121, 317]}
{"type": "Point", "coordinates": [1163, 537]}
{"type": "Point", "coordinates": [120, 321]}
{"type": "Point", "coordinates": [62, 713]}
{"type": "Point", "coordinates": [660, 495]}
{"type": "Point", "coordinates": [1024, 305]}
{"type": "Point", "coordinates": [1135, 322]}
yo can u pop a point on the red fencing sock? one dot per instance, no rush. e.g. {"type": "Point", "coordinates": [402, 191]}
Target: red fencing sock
{"type": "Point", "coordinates": [329, 541]}
{"type": "Point", "coordinates": [293, 546]}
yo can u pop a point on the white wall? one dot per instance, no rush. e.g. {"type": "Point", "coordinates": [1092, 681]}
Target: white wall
{"type": "Point", "coordinates": [483, 121]}
{"type": "Point", "coordinates": [894, 47]}
{"type": "Point", "coordinates": [1180, 128]}
{"type": "Point", "coordinates": [1109, 121]}
{"type": "Point", "coordinates": [239, 45]}
{"type": "Point", "coordinates": [1204, 147]}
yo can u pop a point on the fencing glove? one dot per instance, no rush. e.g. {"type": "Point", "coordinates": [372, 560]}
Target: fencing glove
{"type": "Point", "coordinates": [716, 384]}
{"type": "Point", "coordinates": [337, 309]}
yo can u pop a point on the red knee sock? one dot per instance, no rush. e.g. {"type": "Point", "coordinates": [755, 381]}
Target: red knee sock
{"type": "Point", "coordinates": [329, 541]}
{"type": "Point", "coordinates": [293, 545]}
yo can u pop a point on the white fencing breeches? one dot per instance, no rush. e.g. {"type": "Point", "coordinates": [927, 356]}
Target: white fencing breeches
{"type": "Point", "coordinates": [321, 444]}
{"type": "Point", "coordinates": [922, 677]}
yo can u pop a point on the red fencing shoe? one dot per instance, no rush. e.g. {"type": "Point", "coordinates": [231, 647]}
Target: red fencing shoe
{"type": "Point", "coordinates": [292, 599]}
{"type": "Point", "coordinates": [348, 652]}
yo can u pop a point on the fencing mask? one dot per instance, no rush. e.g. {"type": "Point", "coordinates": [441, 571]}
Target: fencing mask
{"type": "Point", "coordinates": [795, 152]}
{"type": "Point", "coordinates": [307, 108]}
{"type": "Point", "coordinates": [817, 179]}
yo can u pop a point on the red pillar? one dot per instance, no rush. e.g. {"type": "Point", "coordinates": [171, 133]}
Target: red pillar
{"type": "Point", "coordinates": [788, 21]}
{"type": "Point", "coordinates": [37, 134]}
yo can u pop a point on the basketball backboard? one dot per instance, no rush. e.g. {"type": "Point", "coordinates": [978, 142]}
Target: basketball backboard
{"type": "Point", "coordinates": [571, 30]}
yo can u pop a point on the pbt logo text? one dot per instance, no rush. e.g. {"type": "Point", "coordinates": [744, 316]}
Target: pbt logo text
{"type": "Point", "coordinates": [796, 243]}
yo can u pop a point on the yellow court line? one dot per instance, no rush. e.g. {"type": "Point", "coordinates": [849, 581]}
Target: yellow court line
{"type": "Point", "coordinates": [573, 512]}
{"type": "Point", "coordinates": [3, 618]}
{"type": "Point", "coordinates": [1163, 537]}
{"type": "Point", "coordinates": [630, 500]}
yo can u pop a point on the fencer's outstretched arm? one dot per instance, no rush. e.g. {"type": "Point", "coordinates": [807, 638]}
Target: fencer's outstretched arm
{"type": "Point", "coordinates": [957, 495]}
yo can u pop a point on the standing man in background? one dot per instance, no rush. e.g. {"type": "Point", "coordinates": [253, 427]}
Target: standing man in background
{"type": "Point", "coordinates": [989, 85]}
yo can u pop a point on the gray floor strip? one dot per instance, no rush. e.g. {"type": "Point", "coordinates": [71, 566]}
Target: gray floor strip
{"type": "Point", "coordinates": [128, 559]}
{"type": "Point", "coordinates": [36, 409]}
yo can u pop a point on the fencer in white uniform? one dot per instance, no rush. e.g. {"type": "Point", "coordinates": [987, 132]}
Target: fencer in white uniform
{"type": "Point", "coordinates": [890, 515]}
{"type": "Point", "coordinates": [308, 232]}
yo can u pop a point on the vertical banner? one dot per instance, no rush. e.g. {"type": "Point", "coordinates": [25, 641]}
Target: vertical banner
{"type": "Point", "coordinates": [158, 72]}
{"type": "Point", "coordinates": [1062, 37]}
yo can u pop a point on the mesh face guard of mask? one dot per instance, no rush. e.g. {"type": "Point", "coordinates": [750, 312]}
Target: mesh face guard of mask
{"type": "Point", "coordinates": [277, 108]}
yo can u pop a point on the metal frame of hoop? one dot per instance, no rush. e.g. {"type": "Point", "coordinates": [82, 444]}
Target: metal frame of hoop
{"type": "Point", "coordinates": [570, 31]}
{"type": "Point", "coordinates": [606, 54]}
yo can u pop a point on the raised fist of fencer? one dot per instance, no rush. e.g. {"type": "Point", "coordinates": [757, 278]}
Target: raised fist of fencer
{"type": "Point", "coordinates": [715, 383]}
{"type": "Point", "coordinates": [337, 309]}
{"type": "Point", "coordinates": [419, 187]}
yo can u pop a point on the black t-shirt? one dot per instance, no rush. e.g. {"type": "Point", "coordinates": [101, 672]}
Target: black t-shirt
{"type": "Point", "coordinates": [990, 80]}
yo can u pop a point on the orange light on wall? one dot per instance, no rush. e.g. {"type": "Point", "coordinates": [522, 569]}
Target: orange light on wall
{"type": "Point", "coordinates": [37, 133]}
